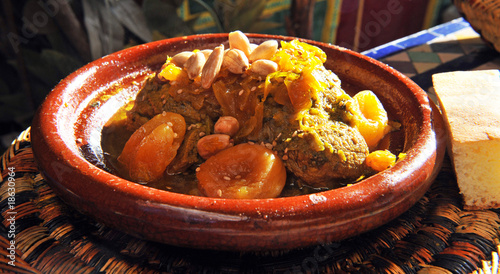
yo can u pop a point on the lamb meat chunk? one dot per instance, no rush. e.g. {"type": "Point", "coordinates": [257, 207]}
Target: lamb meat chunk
{"type": "Point", "coordinates": [341, 159]}
{"type": "Point", "coordinates": [156, 97]}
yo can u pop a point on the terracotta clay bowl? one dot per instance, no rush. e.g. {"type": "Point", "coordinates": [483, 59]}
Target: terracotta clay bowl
{"type": "Point", "coordinates": [69, 124]}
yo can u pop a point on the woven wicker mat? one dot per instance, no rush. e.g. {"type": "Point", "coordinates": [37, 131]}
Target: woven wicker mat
{"type": "Point", "coordinates": [435, 236]}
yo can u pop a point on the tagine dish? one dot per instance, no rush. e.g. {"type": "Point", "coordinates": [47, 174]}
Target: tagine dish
{"type": "Point", "coordinates": [239, 142]}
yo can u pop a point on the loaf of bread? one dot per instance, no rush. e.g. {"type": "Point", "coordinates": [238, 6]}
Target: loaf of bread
{"type": "Point", "coordinates": [470, 104]}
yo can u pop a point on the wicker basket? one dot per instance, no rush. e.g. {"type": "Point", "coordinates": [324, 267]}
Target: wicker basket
{"type": "Point", "coordinates": [484, 17]}
{"type": "Point", "coordinates": [435, 236]}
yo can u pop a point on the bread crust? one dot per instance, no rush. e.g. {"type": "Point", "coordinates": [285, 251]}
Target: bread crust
{"type": "Point", "coordinates": [469, 102]}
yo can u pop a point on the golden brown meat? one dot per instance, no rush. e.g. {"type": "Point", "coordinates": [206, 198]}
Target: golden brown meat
{"type": "Point", "coordinates": [318, 145]}
{"type": "Point", "coordinates": [341, 162]}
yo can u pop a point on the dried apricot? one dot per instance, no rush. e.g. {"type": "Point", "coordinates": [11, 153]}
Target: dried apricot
{"type": "Point", "coordinates": [153, 146]}
{"type": "Point", "coordinates": [152, 155]}
{"type": "Point", "coordinates": [244, 171]}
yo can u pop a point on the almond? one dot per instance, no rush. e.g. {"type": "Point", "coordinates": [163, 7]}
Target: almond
{"type": "Point", "coordinates": [206, 52]}
{"type": "Point", "coordinates": [180, 58]}
{"type": "Point", "coordinates": [266, 50]}
{"type": "Point", "coordinates": [235, 61]}
{"type": "Point", "coordinates": [210, 145]}
{"type": "Point", "coordinates": [264, 67]}
{"type": "Point", "coordinates": [238, 40]}
{"type": "Point", "coordinates": [227, 125]}
{"type": "Point", "coordinates": [212, 67]}
{"type": "Point", "coordinates": [194, 64]}
{"type": "Point", "coordinates": [253, 47]}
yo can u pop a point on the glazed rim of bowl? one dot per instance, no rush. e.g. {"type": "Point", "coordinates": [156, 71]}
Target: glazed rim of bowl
{"type": "Point", "coordinates": [231, 223]}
